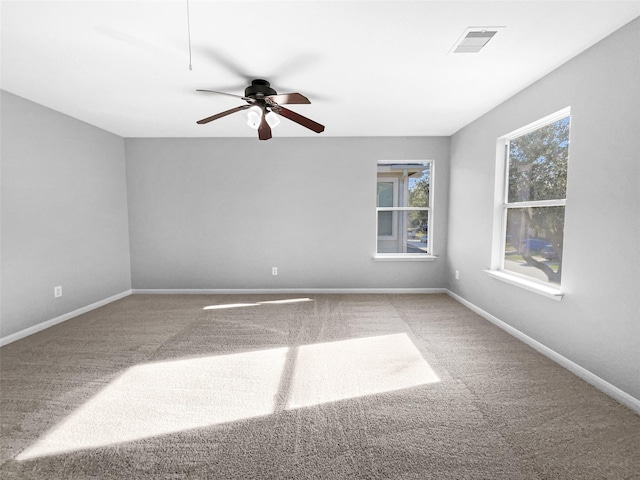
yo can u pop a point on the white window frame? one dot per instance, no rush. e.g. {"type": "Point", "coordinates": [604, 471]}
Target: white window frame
{"type": "Point", "coordinates": [502, 207]}
{"type": "Point", "coordinates": [429, 255]}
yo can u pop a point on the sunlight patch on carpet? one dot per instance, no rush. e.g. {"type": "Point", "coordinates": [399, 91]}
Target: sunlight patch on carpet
{"type": "Point", "coordinates": [161, 398]}
{"type": "Point", "coordinates": [333, 371]}
{"type": "Point", "coordinates": [230, 305]}
{"type": "Point", "coordinates": [257, 304]}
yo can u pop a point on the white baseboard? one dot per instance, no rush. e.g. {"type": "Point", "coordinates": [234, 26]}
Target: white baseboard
{"type": "Point", "coordinates": [62, 318]}
{"type": "Point", "coordinates": [286, 291]}
{"type": "Point", "coordinates": [589, 377]}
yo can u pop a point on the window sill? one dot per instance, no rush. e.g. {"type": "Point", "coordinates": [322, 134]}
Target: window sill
{"type": "Point", "coordinates": [398, 257]}
{"type": "Point", "coordinates": [530, 285]}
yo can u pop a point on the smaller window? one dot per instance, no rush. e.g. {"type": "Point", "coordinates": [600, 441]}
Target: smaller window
{"type": "Point", "coordinates": [404, 208]}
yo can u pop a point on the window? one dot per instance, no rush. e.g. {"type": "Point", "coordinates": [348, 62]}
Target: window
{"type": "Point", "coordinates": [533, 200]}
{"type": "Point", "coordinates": [403, 209]}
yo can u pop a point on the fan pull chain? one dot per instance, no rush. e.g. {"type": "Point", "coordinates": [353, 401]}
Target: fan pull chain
{"type": "Point", "coordinates": [189, 32]}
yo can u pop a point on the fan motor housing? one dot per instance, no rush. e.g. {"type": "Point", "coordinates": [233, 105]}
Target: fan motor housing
{"type": "Point", "coordinates": [260, 88]}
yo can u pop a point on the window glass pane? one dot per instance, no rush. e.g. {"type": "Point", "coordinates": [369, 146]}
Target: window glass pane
{"type": "Point", "coordinates": [385, 194]}
{"type": "Point", "coordinates": [538, 163]}
{"type": "Point", "coordinates": [413, 236]}
{"type": "Point", "coordinates": [419, 185]}
{"type": "Point", "coordinates": [533, 243]}
{"type": "Point", "coordinates": [385, 224]}
{"type": "Point", "coordinates": [417, 224]}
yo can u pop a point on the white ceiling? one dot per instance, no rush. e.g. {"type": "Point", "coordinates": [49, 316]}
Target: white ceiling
{"type": "Point", "coordinates": [370, 68]}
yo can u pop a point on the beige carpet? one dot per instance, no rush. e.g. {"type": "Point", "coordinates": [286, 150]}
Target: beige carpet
{"type": "Point", "coordinates": [294, 386]}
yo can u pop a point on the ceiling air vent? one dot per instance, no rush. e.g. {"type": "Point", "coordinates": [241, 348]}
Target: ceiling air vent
{"type": "Point", "coordinates": [474, 39]}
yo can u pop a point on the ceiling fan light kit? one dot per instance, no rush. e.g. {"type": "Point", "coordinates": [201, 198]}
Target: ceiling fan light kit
{"type": "Point", "coordinates": [264, 108]}
{"type": "Point", "coordinates": [254, 117]}
{"type": "Point", "coordinates": [272, 119]}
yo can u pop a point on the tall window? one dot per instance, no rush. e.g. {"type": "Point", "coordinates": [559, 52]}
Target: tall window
{"type": "Point", "coordinates": [403, 208]}
{"type": "Point", "coordinates": [534, 199]}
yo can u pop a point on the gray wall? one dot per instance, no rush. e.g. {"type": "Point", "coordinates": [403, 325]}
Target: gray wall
{"type": "Point", "coordinates": [64, 214]}
{"type": "Point", "coordinates": [219, 213]}
{"type": "Point", "coordinates": [597, 324]}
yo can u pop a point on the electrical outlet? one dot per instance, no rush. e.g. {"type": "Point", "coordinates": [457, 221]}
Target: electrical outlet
{"type": "Point", "coordinates": [57, 291]}
{"type": "Point", "coordinates": [274, 270]}
{"type": "Point", "coordinates": [457, 274]}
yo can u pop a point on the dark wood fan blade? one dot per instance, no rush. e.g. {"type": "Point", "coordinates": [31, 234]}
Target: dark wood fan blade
{"type": "Point", "coordinates": [222, 114]}
{"type": "Point", "coordinates": [227, 94]}
{"type": "Point", "coordinates": [296, 117]}
{"type": "Point", "coordinates": [264, 130]}
{"type": "Point", "coordinates": [288, 98]}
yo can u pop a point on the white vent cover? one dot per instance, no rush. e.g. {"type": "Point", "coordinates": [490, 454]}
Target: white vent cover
{"type": "Point", "coordinates": [474, 39]}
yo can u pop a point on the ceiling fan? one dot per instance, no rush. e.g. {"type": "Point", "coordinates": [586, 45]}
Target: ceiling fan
{"type": "Point", "coordinates": [264, 106]}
